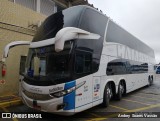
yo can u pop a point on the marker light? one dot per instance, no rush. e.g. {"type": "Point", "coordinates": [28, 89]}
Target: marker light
{"type": "Point", "coordinates": [67, 91]}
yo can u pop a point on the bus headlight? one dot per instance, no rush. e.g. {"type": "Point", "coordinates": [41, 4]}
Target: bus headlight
{"type": "Point", "coordinates": [63, 92]}
{"type": "Point", "coordinates": [67, 91]}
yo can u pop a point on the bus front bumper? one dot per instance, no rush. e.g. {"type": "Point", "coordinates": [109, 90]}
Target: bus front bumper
{"type": "Point", "coordinates": [55, 105]}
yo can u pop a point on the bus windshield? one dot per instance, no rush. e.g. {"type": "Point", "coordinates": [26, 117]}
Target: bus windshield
{"type": "Point", "coordinates": [46, 66]}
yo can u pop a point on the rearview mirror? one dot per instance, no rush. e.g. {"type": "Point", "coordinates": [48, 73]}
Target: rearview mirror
{"type": "Point", "coordinates": [65, 34]}
{"type": "Point", "coordinates": [12, 44]}
{"type": "Point", "coordinates": [70, 33]}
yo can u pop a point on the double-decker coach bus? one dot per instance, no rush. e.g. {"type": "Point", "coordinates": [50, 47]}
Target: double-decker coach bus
{"type": "Point", "coordinates": [78, 59]}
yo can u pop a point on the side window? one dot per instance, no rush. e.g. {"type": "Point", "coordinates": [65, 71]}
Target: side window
{"type": "Point", "coordinates": [109, 70]}
{"type": "Point", "coordinates": [138, 67]}
{"type": "Point", "coordinates": [116, 68]}
{"type": "Point", "coordinates": [83, 62]}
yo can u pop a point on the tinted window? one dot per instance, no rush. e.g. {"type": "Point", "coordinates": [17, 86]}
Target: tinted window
{"type": "Point", "coordinates": [115, 68]}
{"type": "Point", "coordinates": [83, 61]}
{"type": "Point", "coordinates": [67, 18]}
{"type": "Point", "coordinates": [95, 22]}
{"type": "Point", "coordinates": [122, 66]}
{"type": "Point", "coordinates": [137, 67]}
{"type": "Point", "coordinates": [46, 67]}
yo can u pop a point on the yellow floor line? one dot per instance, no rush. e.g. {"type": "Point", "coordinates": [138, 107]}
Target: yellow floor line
{"type": "Point", "coordinates": [5, 109]}
{"type": "Point", "coordinates": [118, 107]}
{"type": "Point", "coordinates": [144, 108]}
{"type": "Point", "coordinates": [97, 116]}
{"type": "Point", "coordinates": [8, 95]}
{"type": "Point", "coordinates": [147, 93]}
{"type": "Point", "coordinates": [136, 102]}
{"type": "Point", "coordinates": [145, 97]}
{"type": "Point", "coordinates": [10, 103]}
{"type": "Point", "coordinates": [128, 111]}
{"type": "Point", "coordinates": [155, 96]}
{"type": "Point", "coordinates": [96, 119]}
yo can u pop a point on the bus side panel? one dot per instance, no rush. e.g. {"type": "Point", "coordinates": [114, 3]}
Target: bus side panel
{"type": "Point", "coordinates": [96, 90]}
{"type": "Point", "coordinates": [83, 96]}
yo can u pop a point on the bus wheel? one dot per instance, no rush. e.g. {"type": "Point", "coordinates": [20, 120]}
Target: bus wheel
{"type": "Point", "coordinates": [150, 80]}
{"type": "Point", "coordinates": [107, 95]}
{"type": "Point", "coordinates": [120, 91]}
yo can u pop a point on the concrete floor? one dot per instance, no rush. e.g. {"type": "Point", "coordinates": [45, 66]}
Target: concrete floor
{"type": "Point", "coordinates": [144, 100]}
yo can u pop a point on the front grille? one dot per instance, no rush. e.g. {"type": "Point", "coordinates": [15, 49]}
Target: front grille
{"type": "Point", "coordinates": [35, 96]}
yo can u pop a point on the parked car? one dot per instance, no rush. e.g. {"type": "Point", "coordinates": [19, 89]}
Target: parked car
{"type": "Point", "coordinates": [158, 70]}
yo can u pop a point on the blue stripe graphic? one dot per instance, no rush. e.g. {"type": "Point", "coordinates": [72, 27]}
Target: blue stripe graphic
{"type": "Point", "coordinates": [70, 98]}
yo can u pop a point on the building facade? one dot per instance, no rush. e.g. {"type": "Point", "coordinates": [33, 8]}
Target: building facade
{"type": "Point", "coordinates": [18, 22]}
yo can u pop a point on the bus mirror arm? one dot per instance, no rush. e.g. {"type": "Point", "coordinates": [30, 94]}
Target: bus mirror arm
{"type": "Point", "coordinates": [63, 35]}
{"type": "Point", "coordinates": [69, 33]}
{"type": "Point", "coordinates": [10, 45]}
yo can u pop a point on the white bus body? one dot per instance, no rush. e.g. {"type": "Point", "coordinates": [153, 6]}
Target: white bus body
{"type": "Point", "coordinates": [78, 59]}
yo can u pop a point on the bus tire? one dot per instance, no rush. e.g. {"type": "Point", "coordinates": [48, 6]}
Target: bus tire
{"type": "Point", "coordinates": [121, 90]}
{"type": "Point", "coordinates": [150, 80]}
{"type": "Point", "coordinates": [107, 95]}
